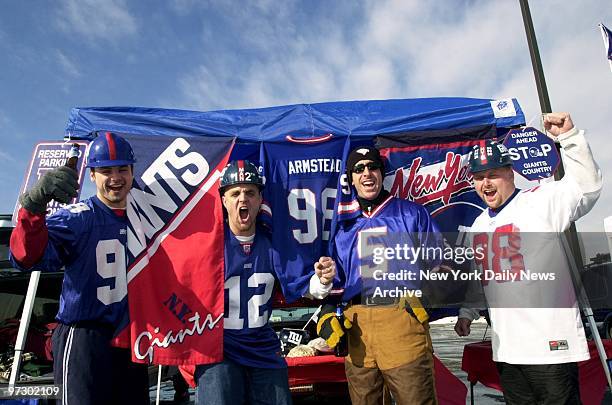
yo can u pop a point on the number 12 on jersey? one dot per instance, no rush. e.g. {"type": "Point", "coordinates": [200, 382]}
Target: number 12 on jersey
{"type": "Point", "coordinates": [234, 318]}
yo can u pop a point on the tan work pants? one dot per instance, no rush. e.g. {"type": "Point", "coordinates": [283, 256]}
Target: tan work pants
{"type": "Point", "coordinates": [388, 345]}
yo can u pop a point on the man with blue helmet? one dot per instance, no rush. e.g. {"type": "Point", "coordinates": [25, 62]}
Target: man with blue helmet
{"type": "Point", "coordinates": [537, 337]}
{"type": "Point", "coordinates": [88, 240]}
{"type": "Point", "coordinates": [253, 370]}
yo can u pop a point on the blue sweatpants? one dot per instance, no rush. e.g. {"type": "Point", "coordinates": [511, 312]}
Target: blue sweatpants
{"type": "Point", "coordinates": [90, 371]}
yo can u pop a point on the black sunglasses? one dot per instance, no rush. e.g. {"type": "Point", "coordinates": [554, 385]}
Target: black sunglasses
{"type": "Point", "coordinates": [359, 168]}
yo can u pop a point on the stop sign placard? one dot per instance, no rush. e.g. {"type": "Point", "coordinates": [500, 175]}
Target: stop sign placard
{"type": "Point", "coordinates": [534, 155]}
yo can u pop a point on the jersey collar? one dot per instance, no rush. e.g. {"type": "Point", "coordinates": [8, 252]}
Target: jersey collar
{"type": "Point", "coordinates": [108, 209]}
{"type": "Point", "coordinates": [378, 208]}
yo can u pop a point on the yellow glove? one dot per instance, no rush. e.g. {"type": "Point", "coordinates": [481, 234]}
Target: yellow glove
{"type": "Point", "coordinates": [329, 327]}
{"type": "Point", "coordinates": [414, 306]}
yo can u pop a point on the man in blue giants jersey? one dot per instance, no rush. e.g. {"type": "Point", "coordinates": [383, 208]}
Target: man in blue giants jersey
{"type": "Point", "coordinates": [87, 240]}
{"type": "Point", "coordinates": [389, 340]}
{"type": "Point", "coordinates": [253, 370]}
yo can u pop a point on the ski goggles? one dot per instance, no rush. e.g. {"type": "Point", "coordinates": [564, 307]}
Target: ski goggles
{"type": "Point", "coordinates": [360, 168]}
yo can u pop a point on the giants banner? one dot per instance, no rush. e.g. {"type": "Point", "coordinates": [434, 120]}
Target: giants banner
{"type": "Point", "coordinates": [175, 249]}
{"type": "Point", "coordinates": [431, 168]}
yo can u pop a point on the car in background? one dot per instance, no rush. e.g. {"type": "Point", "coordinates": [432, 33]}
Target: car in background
{"type": "Point", "coordinates": [597, 281]}
{"type": "Point", "coordinates": [13, 289]}
{"type": "Point", "coordinates": [319, 379]}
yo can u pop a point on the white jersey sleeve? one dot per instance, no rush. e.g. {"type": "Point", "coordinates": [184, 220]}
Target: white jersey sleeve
{"type": "Point", "coordinates": [565, 201]}
{"type": "Point", "coordinates": [582, 170]}
{"type": "Point", "coordinates": [317, 289]}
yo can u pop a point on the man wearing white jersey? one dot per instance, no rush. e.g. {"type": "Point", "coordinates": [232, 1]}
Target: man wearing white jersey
{"type": "Point", "coordinates": [537, 333]}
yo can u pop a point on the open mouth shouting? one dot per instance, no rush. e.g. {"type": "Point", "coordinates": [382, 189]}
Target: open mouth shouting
{"type": "Point", "coordinates": [369, 185]}
{"type": "Point", "coordinates": [242, 203]}
{"type": "Point", "coordinates": [116, 191]}
{"type": "Point", "coordinates": [244, 215]}
{"type": "Point", "coordinates": [489, 194]}
{"type": "Point", "coordinates": [494, 186]}
{"type": "Point", "coordinates": [367, 182]}
{"type": "Point", "coordinates": [368, 188]}
{"type": "Point", "coordinates": [494, 196]}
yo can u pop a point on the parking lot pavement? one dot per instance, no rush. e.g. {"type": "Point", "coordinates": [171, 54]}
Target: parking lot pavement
{"type": "Point", "coordinates": [447, 346]}
{"type": "Point", "coordinates": [449, 349]}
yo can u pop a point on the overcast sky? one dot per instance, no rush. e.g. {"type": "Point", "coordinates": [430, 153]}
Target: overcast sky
{"type": "Point", "coordinates": [206, 55]}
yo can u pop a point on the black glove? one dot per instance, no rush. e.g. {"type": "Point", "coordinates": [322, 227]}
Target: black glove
{"type": "Point", "coordinates": [60, 184]}
{"type": "Point", "coordinates": [328, 326]}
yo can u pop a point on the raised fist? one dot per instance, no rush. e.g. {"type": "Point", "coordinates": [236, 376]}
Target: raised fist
{"type": "Point", "coordinates": [558, 123]}
{"type": "Point", "coordinates": [60, 184]}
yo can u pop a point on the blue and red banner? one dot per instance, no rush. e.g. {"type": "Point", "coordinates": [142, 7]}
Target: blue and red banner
{"type": "Point", "coordinates": [175, 250]}
{"type": "Point", "coordinates": [431, 168]}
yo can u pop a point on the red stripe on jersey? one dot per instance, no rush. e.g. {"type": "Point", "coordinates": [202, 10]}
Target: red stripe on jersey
{"type": "Point", "coordinates": [377, 209]}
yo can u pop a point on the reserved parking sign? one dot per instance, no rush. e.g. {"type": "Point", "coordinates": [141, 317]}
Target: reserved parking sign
{"type": "Point", "coordinates": [48, 156]}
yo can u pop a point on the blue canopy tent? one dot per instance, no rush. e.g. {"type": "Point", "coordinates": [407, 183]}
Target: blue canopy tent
{"type": "Point", "coordinates": [364, 119]}
{"type": "Point", "coordinates": [358, 121]}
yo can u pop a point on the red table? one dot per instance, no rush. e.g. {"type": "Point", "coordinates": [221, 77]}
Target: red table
{"type": "Point", "coordinates": [330, 369]}
{"type": "Point", "coordinates": [478, 364]}
{"type": "Point", "coordinates": [308, 370]}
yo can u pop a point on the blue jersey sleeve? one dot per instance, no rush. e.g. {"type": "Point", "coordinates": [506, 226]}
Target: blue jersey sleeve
{"type": "Point", "coordinates": [63, 229]}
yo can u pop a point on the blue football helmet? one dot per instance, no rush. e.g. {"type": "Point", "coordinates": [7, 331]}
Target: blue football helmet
{"type": "Point", "coordinates": [109, 149]}
{"type": "Point", "coordinates": [489, 154]}
{"type": "Point", "coordinates": [240, 172]}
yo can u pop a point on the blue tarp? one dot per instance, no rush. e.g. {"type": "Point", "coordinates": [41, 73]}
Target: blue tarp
{"type": "Point", "coordinates": [350, 118]}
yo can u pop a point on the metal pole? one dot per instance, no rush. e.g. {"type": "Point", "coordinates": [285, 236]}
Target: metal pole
{"type": "Point", "coordinates": [24, 323]}
{"type": "Point", "coordinates": [545, 107]}
{"type": "Point", "coordinates": [570, 239]}
{"type": "Point", "coordinates": [583, 301]}
{"type": "Point", "coordinates": [158, 390]}
{"type": "Point", "coordinates": [535, 58]}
